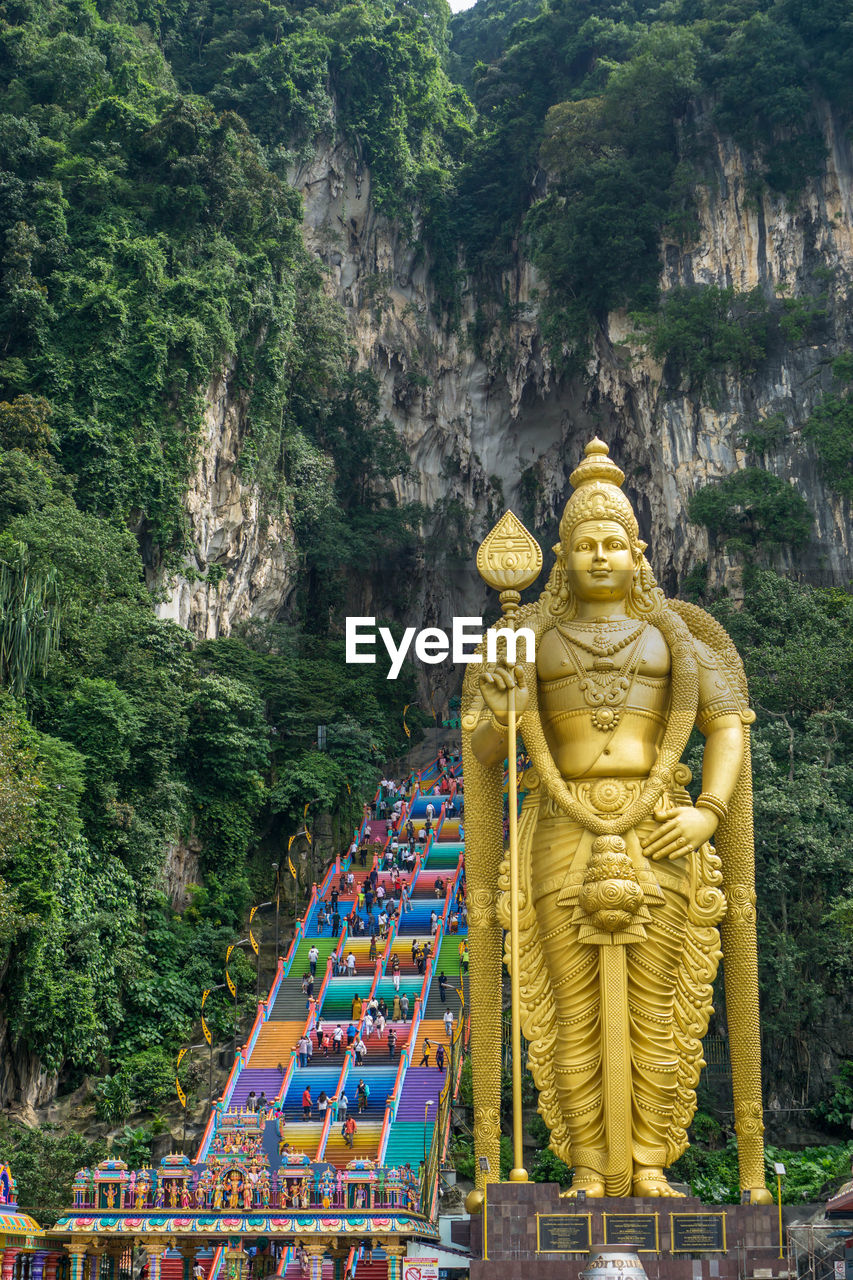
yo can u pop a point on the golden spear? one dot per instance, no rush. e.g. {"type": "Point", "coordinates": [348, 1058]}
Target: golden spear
{"type": "Point", "coordinates": [509, 560]}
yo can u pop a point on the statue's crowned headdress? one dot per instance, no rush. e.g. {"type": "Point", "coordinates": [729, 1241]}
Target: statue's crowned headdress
{"type": "Point", "coordinates": [597, 484]}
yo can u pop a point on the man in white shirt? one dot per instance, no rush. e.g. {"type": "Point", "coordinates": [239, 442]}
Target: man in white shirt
{"type": "Point", "coordinates": [448, 1023]}
{"type": "Point", "coordinates": [351, 965]}
{"type": "Point", "coordinates": [313, 956]}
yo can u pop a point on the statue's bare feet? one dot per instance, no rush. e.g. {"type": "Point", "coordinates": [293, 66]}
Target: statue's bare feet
{"type": "Point", "coordinates": [650, 1181]}
{"type": "Point", "coordinates": [760, 1195]}
{"type": "Point", "coordinates": [584, 1180]}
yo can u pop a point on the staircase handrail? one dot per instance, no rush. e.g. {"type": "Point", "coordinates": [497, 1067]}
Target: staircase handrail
{"type": "Point", "coordinates": [241, 1058]}
{"type": "Point", "coordinates": [216, 1262]}
{"type": "Point", "coordinates": [391, 1104]}
{"type": "Point", "coordinates": [349, 1058]}
{"type": "Point", "coordinates": [440, 1134]}
{"type": "Point", "coordinates": [286, 1079]}
{"type": "Point", "coordinates": [298, 934]}
{"type": "Point", "coordinates": [291, 1066]}
{"type": "Point", "coordinates": [310, 1020]}
{"type": "Point", "coordinates": [417, 1019]}
{"type": "Point", "coordinates": [327, 977]}
{"type": "Point", "coordinates": [452, 889]}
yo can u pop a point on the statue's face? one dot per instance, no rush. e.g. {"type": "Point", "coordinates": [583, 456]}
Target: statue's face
{"type": "Point", "coordinates": [599, 561]}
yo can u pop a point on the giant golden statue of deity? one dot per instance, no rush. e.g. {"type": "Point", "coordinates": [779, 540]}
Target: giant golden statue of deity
{"type": "Point", "coordinates": [620, 894]}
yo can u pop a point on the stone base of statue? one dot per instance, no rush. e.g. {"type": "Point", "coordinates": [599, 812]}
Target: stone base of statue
{"type": "Point", "coordinates": [527, 1232]}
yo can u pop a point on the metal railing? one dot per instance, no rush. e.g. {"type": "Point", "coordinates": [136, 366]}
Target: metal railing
{"type": "Point", "coordinates": [441, 1133]}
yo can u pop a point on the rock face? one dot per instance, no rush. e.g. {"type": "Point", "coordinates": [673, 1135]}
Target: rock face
{"type": "Point", "coordinates": [487, 423]}
{"type": "Point", "coordinates": [181, 868]}
{"type": "Point", "coordinates": [244, 556]}
{"type": "Point", "coordinates": [494, 427]}
{"type": "Point", "coordinates": [23, 1081]}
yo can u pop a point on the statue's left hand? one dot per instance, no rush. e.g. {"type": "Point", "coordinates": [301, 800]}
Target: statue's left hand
{"type": "Point", "coordinates": [681, 831]}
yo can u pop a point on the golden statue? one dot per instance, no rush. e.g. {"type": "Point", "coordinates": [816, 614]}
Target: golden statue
{"type": "Point", "coordinates": [619, 891]}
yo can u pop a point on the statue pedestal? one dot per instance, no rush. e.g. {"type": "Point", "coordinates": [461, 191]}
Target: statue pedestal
{"type": "Point", "coordinates": [531, 1234]}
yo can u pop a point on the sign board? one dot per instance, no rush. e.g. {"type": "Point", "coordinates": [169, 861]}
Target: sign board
{"type": "Point", "coordinates": [420, 1269]}
{"type": "Point", "coordinates": [632, 1230]}
{"type": "Point", "coordinates": [563, 1232]}
{"type": "Point", "coordinates": [698, 1232]}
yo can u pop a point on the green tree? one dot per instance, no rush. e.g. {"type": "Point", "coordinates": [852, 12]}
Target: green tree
{"type": "Point", "coordinates": [45, 1160]}
{"type": "Point", "coordinates": [752, 510]}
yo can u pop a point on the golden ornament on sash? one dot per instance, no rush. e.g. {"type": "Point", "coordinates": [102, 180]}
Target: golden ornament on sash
{"type": "Point", "coordinates": [620, 897]}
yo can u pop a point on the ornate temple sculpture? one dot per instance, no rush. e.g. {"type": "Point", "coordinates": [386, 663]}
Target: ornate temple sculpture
{"type": "Point", "coordinates": [620, 892]}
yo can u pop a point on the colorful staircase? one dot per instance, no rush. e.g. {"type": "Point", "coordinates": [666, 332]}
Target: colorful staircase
{"type": "Point", "coordinates": [397, 1122]}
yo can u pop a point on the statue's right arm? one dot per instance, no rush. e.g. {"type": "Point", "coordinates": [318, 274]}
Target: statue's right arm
{"type": "Point", "coordinates": [489, 739]}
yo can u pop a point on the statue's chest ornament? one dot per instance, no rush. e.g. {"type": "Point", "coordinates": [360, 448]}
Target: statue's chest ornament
{"type": "Point", "coordinates": [606, 685]}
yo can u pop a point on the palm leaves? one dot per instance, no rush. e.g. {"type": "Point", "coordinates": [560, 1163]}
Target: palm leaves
{"type": "Point", "coordinates": [30, 612]}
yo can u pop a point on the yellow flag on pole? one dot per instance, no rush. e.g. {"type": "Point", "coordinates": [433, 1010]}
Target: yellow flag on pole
{"type": "Point", "coordinates": [182, 1097]}
{"type": "Point", "coordinates": [205, 1029]}
{"type": "Point", "coordinates": [228, 978]}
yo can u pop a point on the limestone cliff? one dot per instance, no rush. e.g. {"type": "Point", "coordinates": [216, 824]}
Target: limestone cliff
{"type": "Point", "coordinates": [243, 560]}
{"type": "Point", "coordinates": [490, 425]}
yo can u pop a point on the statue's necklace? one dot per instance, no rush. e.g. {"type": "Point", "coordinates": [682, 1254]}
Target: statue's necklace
{"type": "Point", "coordinates": [605, 688]}
{"type": "Point", "coordinates": [601, 647]}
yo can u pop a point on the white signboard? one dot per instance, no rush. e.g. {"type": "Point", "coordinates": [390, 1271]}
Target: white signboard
{"type": "Point", "coordinates": [420, 1269]}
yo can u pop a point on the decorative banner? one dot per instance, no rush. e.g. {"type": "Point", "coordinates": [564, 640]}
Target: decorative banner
{"type": "Point", "coordinates": [290, 865]}
{"type": "Point", "coordinates": [228, 980]}
{"type": "Point", "coordinates": [252, 939]}
{"type": "Point", "coordinates": [406, 728]}
{"type": "Point", "coordinates": [305, 820]}
{"type": "Point", "coordinates": [182, 1097]}
{"type": "Point", "coordinates": [205, 1029]}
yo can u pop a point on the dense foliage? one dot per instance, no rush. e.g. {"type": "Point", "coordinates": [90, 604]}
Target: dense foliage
{"type": "Point", "coordinates": [151, 242]}
{"type": "Point", "coordinates": [752, 510]}
{"type": "Point", "coordinates": [45, 1162]}
{"type": "Point", "coordinates": [616, 105]}
{"type": "Point", "coordinates": [796, 644]}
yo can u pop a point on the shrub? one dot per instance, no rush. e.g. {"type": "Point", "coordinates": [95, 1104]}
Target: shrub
{"type": "Point", "coordinates": [113, 1099]}
{"type": "Point", "coordinates": [151, 1073]}
{"type": "Point", "coordinates": [701, 329]}
{"type": "Point", "coordinates": [751, 509]}
{"type": "Point", "coordinates": [830, 427]}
